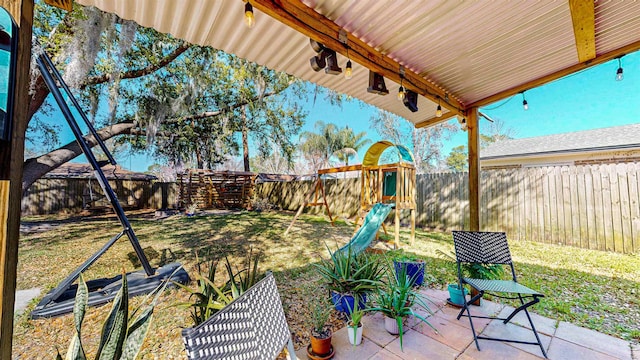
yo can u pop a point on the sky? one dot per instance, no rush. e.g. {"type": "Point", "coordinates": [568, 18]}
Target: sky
{"type": "Point", "coordinates": [586, 100]}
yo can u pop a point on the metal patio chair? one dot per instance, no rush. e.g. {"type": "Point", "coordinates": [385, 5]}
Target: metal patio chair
{"type": "Point", "coordinates": [253, 326]}
{"type": "Point", "coordinates": [491, 248]}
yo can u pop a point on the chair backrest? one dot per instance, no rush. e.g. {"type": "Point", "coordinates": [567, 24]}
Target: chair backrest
{"type": "Point", "coordinates": [481, 247]}
{"type": "Point", "coordinates": [253, 326]}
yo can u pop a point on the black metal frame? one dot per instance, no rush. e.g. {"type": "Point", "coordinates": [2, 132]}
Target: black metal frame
{"type": "Point", "coordinates": [60, 300]}
{"type": "Point", "coordinates": [492, 256]}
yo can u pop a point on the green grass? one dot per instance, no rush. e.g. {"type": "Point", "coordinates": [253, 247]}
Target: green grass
{"type": "Point", "coordinates": [588, 288]}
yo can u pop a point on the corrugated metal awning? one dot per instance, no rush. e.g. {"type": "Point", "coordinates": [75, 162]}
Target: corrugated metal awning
{"type": "Point", "coordinates": [470, 49]}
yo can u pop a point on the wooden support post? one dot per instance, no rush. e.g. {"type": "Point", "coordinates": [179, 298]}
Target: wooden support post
{"type": "Point", "coordinates": [12, 158]}
{"type": "Point", "coordinates": [412, 201]}
{"type": "Point", "coordinates": [474, 169]}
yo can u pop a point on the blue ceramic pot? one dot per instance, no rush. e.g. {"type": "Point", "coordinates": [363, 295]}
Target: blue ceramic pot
{"type": "Point", "coordinates": [344, 302]}
{"type": "Point", "coordinates": [457, 295]}
{"type": "Point", "coordinates": [415, 270]}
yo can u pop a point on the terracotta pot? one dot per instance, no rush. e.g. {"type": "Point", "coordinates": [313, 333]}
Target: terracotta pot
{"type": "Point", "coordinates": [391, 325]}
{"type": "Point", "coordinates": [321, 346]}
{"type": "Point", "coordinates": [354, 334]}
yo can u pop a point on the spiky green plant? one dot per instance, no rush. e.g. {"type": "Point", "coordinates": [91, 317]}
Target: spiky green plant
{"type": "Point", "coordinates": [350, 273]}
{"type": "Point", "coordinates": [397, 297]}
{"type": "Point", "coordinates": [122, 335]}
{"type": "Point", "coordinates": [207, 298]}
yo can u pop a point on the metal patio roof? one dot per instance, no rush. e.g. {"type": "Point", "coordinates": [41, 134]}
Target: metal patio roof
{"type": "Point", "coordinates": [470, 52]}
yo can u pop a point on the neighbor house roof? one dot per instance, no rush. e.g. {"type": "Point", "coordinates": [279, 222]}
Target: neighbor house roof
{"type": "Point", "coordinates": [611, 138]}
{"type": "Point", "coordinates": [85, 171]}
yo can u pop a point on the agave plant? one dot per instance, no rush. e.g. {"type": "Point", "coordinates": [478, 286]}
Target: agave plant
{"type": "Point", "coordinates": [207, 298]}
{"type": "Point", "coordinates": [397, 298]}
{"type": "Point", "coordinates": [350, 273]}
{"type": "Point", "coordinates": [122, 336]}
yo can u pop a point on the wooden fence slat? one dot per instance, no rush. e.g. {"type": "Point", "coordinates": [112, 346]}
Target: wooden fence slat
{"type": "Point", "coordinates": [625, 208]}
{"type": "Point", "coordinates": [616, 210]}
{"type": "Point", "coordinates": [634, 204]}
{"type": "Point", "coordinates": [590, 209]}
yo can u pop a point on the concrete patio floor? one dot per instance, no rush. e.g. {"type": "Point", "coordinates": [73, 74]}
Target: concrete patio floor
{"type": "Point", "coordinates": [454, 340]}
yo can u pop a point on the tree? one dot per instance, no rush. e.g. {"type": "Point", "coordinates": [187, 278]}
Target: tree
{"type": "Point", "coordinates": [329, 142]}
{"type": "Point", "coordinates": [458, 159]}
{"type": "Point", "coordinates": [188, 111]}
{"type": "Point", "coordinates": [351, 144]}
{"type": "Point", "coordinates": [426, 143]}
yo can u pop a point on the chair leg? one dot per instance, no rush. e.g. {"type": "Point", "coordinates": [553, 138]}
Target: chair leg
{"type": "Point", "coordinates": [291, 350]}
{"type": "Point", "coordinates": [473, 330]}
{"type": "Point", "coordinates": [533, 327]}
{"type": "Point", "coordinates": [522, 307]}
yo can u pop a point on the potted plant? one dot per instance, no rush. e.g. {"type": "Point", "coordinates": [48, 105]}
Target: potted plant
{"type": "Point", "coordinates": [412, 263]}
{"type": "Point", "coordinates": [457, 294]}
{"type": "Point", "coordinates": [482, 271]}
{"type": "Point", "coordinates": [354, 324]}
{"type": "Point", "coordinates": [347, 275]}
{"type": "Point", "coordinates": [396, 299]}
{"type": "Point", "coordinates": [474, 271]}
{"type": "Point", "coordinates": [191, 209]}
{"type": "Point", "coordinates": [320, 347]}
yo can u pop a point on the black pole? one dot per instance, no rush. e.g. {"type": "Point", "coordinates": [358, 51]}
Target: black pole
{"type": "Point", "coordinates": [92, 130]}
{"type": "Point", "coordinates": [46, 75]}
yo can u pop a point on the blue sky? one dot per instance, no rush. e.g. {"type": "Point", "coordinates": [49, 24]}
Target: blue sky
{"type": "Point", "coordinates": [586, 100]}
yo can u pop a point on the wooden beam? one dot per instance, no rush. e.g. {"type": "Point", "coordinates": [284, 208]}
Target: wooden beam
{"type": "Point", "coordinates": [12, 158]}
{"type": "Point", "coordinates": [338, 169]}
{"type": "Point", "coordinates": [635, 46]}
{"type": "Point", "coordinates": [435, 120]}
{"type": "Point", "coordinates": [583, 16]}
{"type": "Point", "coordinates": [308, 22]}
{"type": "Point", "coordinates": [474, 169]}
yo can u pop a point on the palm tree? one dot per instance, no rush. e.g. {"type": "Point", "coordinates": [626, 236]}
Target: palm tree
{"type": "Point", "coordinates": [329, 141]}
{"type": "Point", "coordinates": [351, 144]}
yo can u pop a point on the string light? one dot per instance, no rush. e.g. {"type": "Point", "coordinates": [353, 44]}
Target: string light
{"type": "Point", "coordinates": [348, 72]}
{"type": "Point", "coordinates": [249, 19]}
{"type": "Point", "coordinates": [439, 109]}
{"type": "Point", "coordinates": [619, 73]}
{"type": "Point", "coordinates": [401, 93]}
{"type": "Point", "coordinates": [525, 104]}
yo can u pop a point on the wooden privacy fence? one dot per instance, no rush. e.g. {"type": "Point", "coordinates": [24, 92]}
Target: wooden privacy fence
{"type": "Point", "coordinates": [47, 196]}
{"type": "Point", "coordinates": [588, 206]}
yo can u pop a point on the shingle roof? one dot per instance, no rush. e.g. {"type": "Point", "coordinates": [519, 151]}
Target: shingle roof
{"type": "Point", "coordinates": [85, 171]}
{"type": "Point", "coordinates": [618, 137]}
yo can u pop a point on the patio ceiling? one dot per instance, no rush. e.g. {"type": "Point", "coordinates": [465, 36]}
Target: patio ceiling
{"type": "Point", "coordinates": [468, 52]}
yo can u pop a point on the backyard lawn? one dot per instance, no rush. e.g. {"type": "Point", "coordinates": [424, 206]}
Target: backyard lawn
{"type": "Point", "coordinates": [593, 289]}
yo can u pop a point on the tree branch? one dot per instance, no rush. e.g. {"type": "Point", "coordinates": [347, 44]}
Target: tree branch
{"type": "Point", "coordinates": [131, 74]}
{"type": "Point", "coordinates": [35, 168]}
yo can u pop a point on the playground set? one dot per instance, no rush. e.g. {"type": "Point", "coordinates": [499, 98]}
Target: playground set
{"type": "Point", "coordinates": [383, 187]}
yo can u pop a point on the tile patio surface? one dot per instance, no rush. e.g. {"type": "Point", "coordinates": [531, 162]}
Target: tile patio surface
{"type": "Point", "coordinates": [454, 340]}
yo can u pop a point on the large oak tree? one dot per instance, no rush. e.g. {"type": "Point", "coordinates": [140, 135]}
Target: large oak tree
{"type": "Point", "coordinates": [185, 103]}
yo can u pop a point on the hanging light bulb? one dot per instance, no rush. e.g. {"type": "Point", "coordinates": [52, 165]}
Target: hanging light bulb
{"type": "Point", "coordinates": [525, 104]}
{"type": "Point", "coordinates": [401, 93]}
{"type": "Point", "coordinates": [619, 73]}
{"type": "Point", "coordinates": [439, 109]}
{"type": "Point", "coordinates": [348, 72]}
{"type": "Point", "coordinates": [463, 124]}
{"type": "Point", "coordinates": [249, 19]}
